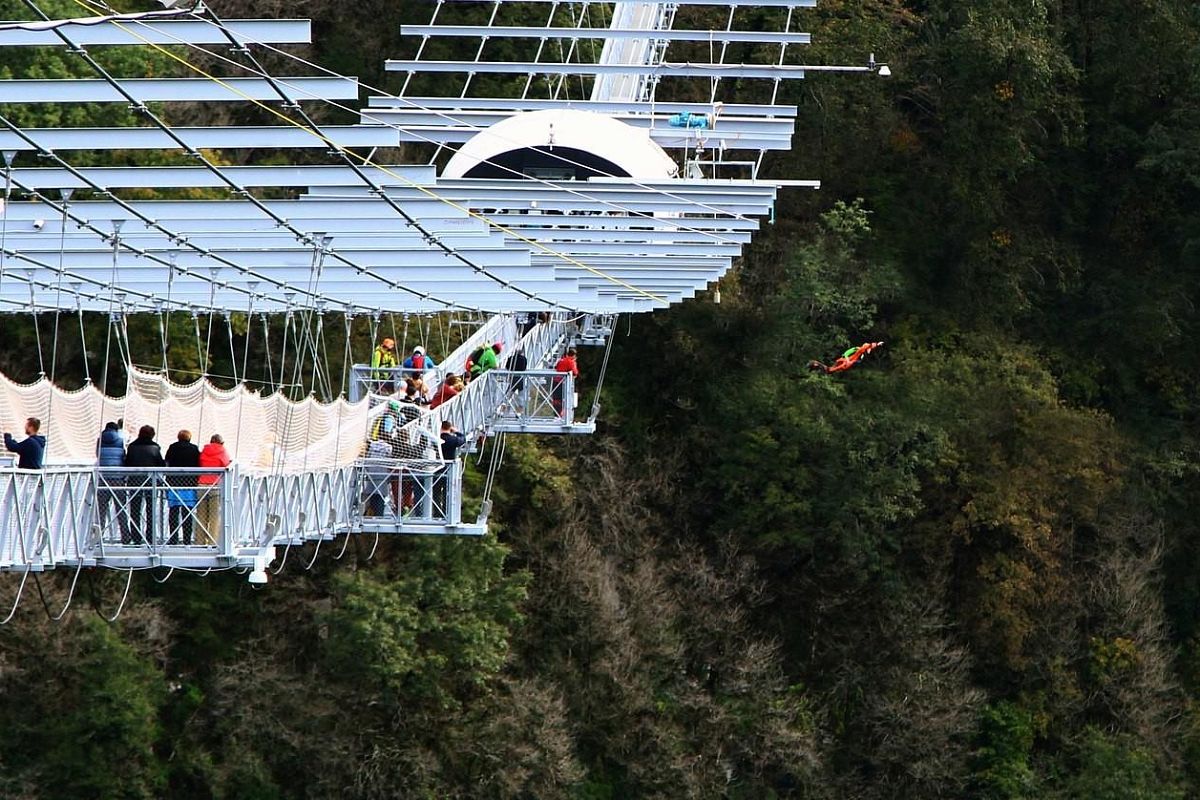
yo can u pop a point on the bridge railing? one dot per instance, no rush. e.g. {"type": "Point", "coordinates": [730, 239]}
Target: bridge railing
{"type": "Point", "coordinates": [474, 409]}
{"type": "Point", "coordinates": [412, 495]}
{"type": "Point", "coordinates": [139, 517]}
{"type": "Point", "coordinates": [365, 379]}
{"type": "Point", "coordinates": [152, 510]}
{"type": "Point", "coordinates": [291, 508]}
{"type": "Point", "coordinates": [129, 516]}
{"type": "Point", "coordinates": [534, 399]}
{"type": "Point", "coordinates": [596, 328]}
{"type": "Point", "coordinates": [45, 517]}
{"type": "Point", "coordinates": [542, 344]}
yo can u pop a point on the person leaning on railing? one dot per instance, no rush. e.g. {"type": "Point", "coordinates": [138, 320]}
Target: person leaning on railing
{"type": "Point", "coordinates": [181, 494]}
{"type": "Point", "coordinates": [110, 452]}
{"type": "Point", "coordinates": [566, 364]}
{"type": "Point", "coordinates": [383, 361]}
{"type": "Point", "coordinates": [377, 477]}
{"type": "Point", "coordinates": [452, 440]}
{"type": "Point", "coordinates": [213, 456]}
{"type": "Point", "coordinates": [142, 452]}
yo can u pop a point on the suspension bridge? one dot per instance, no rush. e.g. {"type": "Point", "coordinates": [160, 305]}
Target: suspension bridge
{"type": "Point", "coordinates": [593, 185]}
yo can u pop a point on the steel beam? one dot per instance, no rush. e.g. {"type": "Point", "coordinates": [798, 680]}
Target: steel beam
{"type": "Point", "coordinates": [729, 139]}
{"type": "Point", "coordinates": [42, 178]}
{"type": "Point", "coordinates": [725, 3]}
{"type": "Point", "coordinates": [602, 106]}
{"type": "Point", "coordinates": [573, 34]}
{"type": "Point", "coordinates": [187, 90]}
{"type": "Point", "coordinates": [221, 138]}
{"type": "Point", "coordinates": [476, 120]}
{"type": "Point", "coordinates": [664, 70]}
{"type": "Point", "coordinates": [164, 32]}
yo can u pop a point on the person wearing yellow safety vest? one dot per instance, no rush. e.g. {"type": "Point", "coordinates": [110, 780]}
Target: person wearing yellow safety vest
{"type": "Point", "coordinates": [383, 360]}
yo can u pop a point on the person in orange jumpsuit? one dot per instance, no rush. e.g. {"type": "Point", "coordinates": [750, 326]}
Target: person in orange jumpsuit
{"type": "Point", "coordinates": [847, 360]}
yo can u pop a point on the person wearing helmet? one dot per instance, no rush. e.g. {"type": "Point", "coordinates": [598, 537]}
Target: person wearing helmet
{"type": "Point", "coordinates": [847, 360]}
{"type": "Point", "coordinates": [419, 360]}
{"type": "Point", "coordinates": [383, 361]}
{"type": "Point", "coordinates": [387, 423]}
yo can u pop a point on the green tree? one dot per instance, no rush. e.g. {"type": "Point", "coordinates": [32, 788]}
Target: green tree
{"type": "Point", "coordinates": [1114, 767]}
{"type": "Point", "coordinates": [434, 633]}
{"type": "Point", "coordinates": [1003, 769]}
{"type": "Point", "coordinates": [81, 714]}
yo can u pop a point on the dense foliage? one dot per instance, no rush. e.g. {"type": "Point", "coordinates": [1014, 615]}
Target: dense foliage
{"type": "Point", "coordinates": [966, 569]}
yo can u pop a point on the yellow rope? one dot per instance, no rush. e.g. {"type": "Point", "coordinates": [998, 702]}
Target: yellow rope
{"type": "Point", "coordinates": [368, 163]}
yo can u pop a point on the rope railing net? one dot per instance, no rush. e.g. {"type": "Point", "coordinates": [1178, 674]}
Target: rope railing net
{"type": "Point", "coordinates": [261, 433]}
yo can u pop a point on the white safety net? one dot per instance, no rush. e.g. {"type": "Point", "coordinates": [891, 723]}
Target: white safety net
{"type": "Point", "coordinates": [262, 434]}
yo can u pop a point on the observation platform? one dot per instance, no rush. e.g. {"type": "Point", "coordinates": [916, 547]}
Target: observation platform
{"type": "Point", "coordinates": [75, 516]}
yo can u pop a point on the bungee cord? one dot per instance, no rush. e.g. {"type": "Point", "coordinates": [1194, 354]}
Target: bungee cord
{"type": "Point", "coordinates": [124, 596]}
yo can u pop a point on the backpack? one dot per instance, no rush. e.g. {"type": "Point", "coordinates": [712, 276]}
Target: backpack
{"type": "Point", "coordinates": [473, 360]}
{"type": "Point", "coordinates": [384, 425]}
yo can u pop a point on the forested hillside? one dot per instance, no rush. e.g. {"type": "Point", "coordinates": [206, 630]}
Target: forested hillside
{"type": "Point", "coordinates": [969, 568]}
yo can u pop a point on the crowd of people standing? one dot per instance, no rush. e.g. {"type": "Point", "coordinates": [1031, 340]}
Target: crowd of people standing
{"type": "Point", "coordinates": [127, 497]}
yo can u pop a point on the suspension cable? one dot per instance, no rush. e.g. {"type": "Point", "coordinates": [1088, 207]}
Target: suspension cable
{"type": "Point", "coordinates": [350, 158]}
{"type": "Point", "coordinates": [232, 185]}
{"type": "Point", "coordinates": [87, 372]}
{"type": "Point", "coordinates": [347, 356]}
{"type": "Point", "coordinates": [62, 245]}
{"type": "Point", "coordinates": [441, 113]}
{"type": "Point", "coordinates": [9, 155]}
{"type": "Point", "coordinates": [37, 332]}
{"type": "Point", "coordinates": [85, 224]}
{"type": "Point", "coordinates": [603, 370]}
{"type": "Point", "coordinates": [232, 351]}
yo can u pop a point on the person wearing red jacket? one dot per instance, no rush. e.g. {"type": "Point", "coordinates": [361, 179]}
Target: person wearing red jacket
{"type": "Point", "coordinates": [445, 392]}
{"type": "Point", "coordinates": [213, 456]}
{"type": "Point", "coordinates": [565, 364]}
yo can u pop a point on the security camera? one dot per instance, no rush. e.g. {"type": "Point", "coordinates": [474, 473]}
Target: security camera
{"type": "Point", "coordinates": [38, 224]}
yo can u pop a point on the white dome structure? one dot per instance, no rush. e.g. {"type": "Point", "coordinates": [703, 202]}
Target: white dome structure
{"type": "Point", "coordinates": [561, 144]}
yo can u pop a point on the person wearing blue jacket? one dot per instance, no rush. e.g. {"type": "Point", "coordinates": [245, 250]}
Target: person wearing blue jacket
{"type": "Point", "coordinates": [419, 359]}
{"type": "Point", "coordinates": [110, 452]}
{"type": "Point", "coordinates": [110, 449]}
{"type": "Point", "coordinates": [32, 449]}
